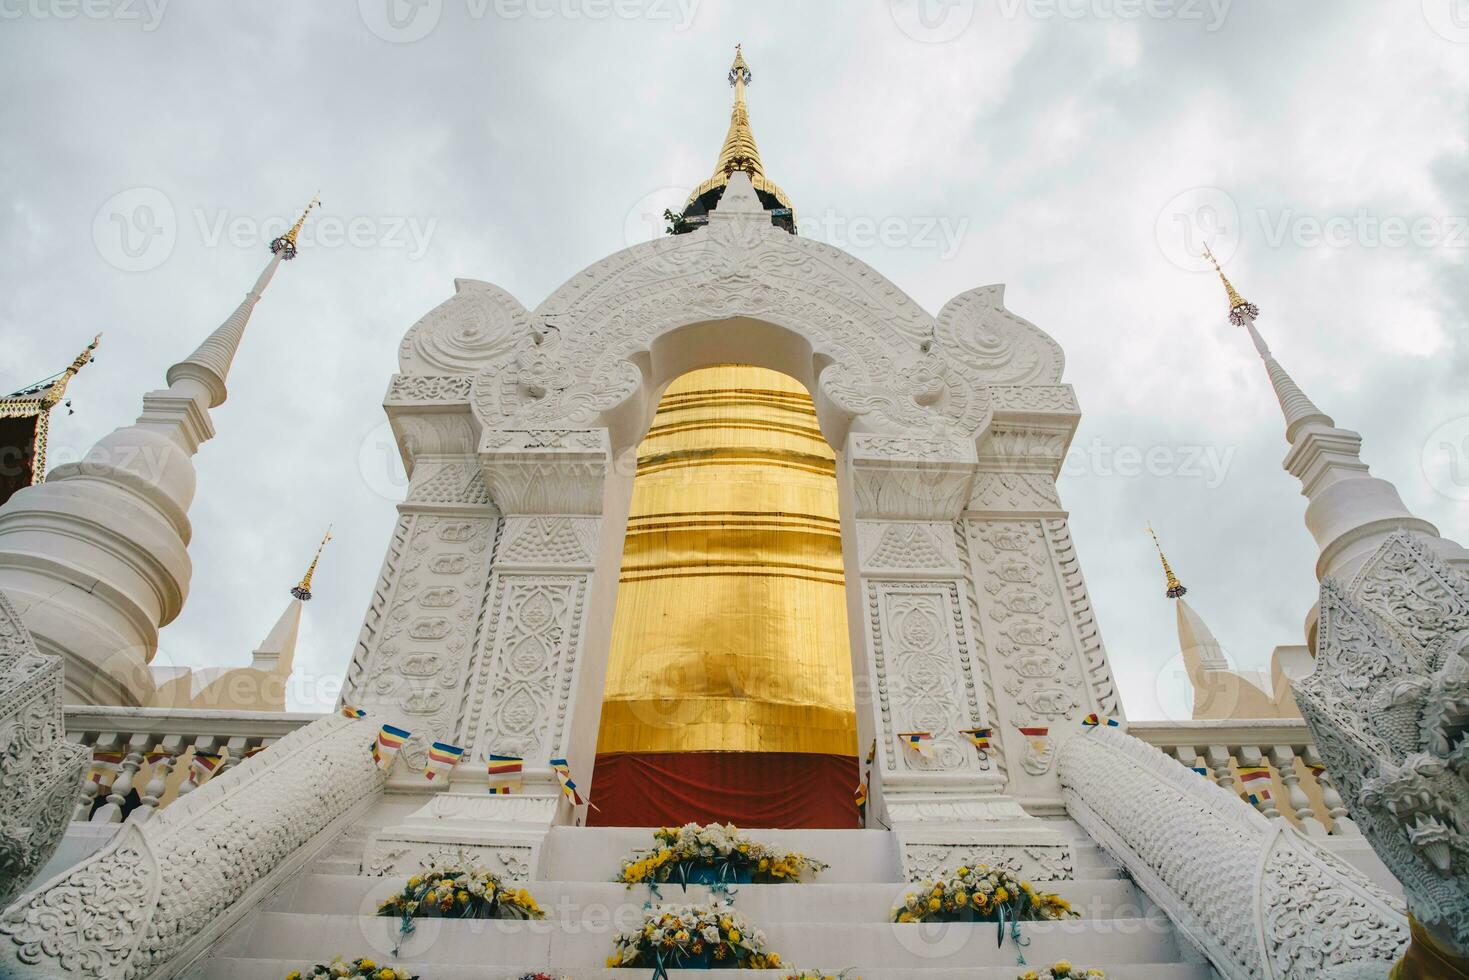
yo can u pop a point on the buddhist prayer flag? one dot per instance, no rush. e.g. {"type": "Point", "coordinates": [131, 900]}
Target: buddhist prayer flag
{"type": "Point", "coordinates": [203, 766]}
{"type": "Point", "coordinates": [978, 737]}
{"type": "Point", "coordinates": [157, 756]}
{"type": "Point", "coordinates": [1037, 738]}
{"type": "Point", "coordinates": [872, 752]}
{"type": "Point", "coordinates": [385, 747]}
{"type": "Point", "coordinates": [1255, 791]}
{"type": "Point", "coordinates": [1093, 720]}
{"type": "Point", "coordinates": [504, 772]}
{"type": "Point", "coordinates": [859, 795]}
{"type": "Point", "coordinates": [918, 742]}
{"type": "Point", "coordinates": [350, 712]}
{"type": "Point", "coordinates": [442, 757]}
{"type": "Point", "coordinates": [568, 788]}
{"type": "Point", "coordinates": [1201, 770]}
{"type": "Point", "coordinates": [105, 767]}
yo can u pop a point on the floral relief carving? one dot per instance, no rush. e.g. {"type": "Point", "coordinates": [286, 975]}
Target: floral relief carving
{"type": "Point", "coordinates": [936, 862]}
{"type": "Point", "coordinates": [924, 672]}
{"type": "Point", "coordinates": [39, 769]}
{"type": "Point", "coordinates": [998, 346]}
{"type": "Point", "coordinates": [471, 328]}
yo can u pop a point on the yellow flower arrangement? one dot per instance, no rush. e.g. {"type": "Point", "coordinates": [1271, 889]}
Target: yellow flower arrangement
{"type": "Point", "coordinates": [458, 894]}
{"type": "Point", "coordinates": [1063, 971]}
{"type": "Point", "coordinates": [693, 937]}
{"type": "Point", "coordinates": [358, 969]}
{"type": "Point", "coordinates": [980, 895]}
{"type": "Point", "coordinates": [819, 975]}
{"type": "Point", "coordinates": [713, 854]}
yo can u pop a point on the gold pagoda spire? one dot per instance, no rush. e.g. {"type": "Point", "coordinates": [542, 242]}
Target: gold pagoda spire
{"type": "Point", "coordinates": [1175, 587]}
{"type": "Point", "coordinates": [1239, 307]}
{"type": "Point", "coordinates": [302, 590]}
{"type": "Point", "coordinates": [739, 151]}
{"type": "Point", "coordinates": [286, 244]}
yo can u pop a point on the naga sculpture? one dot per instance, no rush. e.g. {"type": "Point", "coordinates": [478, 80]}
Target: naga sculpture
{"type": "Point", "coordinates": [1388, 704]}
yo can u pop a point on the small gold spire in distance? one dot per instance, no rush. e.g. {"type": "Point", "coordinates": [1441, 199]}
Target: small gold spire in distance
{"type": "Point", "coordinates": [1239, 307]}
{"type": "Point", "coordinates": [302, 590]}
{"type": "Point", "coordinates": [55, 393]}
{"type": "Point", "coordinates": [286, 244]}
{"type": "Point", "coordinates": [1175, 587]}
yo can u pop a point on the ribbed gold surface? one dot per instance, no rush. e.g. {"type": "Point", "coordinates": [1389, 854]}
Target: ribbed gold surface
{"type": "Point", "coordinates": [731, 625]}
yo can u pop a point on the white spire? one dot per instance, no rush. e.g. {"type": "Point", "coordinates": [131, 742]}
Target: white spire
{"type": "Point", "coordinates": [96, 559]}
{"type": "Point", "coordinates": [1350, 511]}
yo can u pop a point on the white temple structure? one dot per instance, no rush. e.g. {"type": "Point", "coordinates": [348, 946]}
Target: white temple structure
{"type": "Point", "coordinates": [980, 682]}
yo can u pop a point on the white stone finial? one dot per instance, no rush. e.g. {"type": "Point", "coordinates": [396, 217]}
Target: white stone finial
{"type": "Point", "coordinates": [210, 363]}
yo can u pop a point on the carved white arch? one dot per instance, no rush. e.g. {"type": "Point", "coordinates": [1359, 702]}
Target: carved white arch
{"type": "Point", "coordinates": [881, 362]}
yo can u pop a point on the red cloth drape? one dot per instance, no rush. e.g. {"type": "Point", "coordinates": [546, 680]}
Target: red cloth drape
{"type": "Point", "coordinates": [748, 789]}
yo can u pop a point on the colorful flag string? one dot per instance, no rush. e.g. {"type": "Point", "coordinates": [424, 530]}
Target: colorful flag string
{"type": "Point", "coordinates": [504, 774]}
{"type": "Point", "coordinates": [442, 758]}
{"type": "Point", "coordinates": [385, 747]}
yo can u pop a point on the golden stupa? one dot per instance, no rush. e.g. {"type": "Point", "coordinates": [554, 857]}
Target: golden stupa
{"type": "Point", "coordinates": [729, 684]}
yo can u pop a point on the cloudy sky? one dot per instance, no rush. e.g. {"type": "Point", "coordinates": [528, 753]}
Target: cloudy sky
{"type": "Point", "coordinates": [1076, 150]}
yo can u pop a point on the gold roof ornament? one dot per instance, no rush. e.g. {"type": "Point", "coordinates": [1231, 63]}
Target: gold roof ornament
{"type": "Point", "coordinates": [1239, 307]}
{"type": "Point", "coordinates": [739, 151]}
{"type": "Point", "coordinates": [302, 589]}
{"type": "Point", "coordinates": [1175, 587]}
{"type": "Point", "coordinates": [37, 400]}
{"type": "Point", "coordinates": [286, 244]}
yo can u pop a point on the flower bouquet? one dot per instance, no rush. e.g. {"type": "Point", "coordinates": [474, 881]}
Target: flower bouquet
{"type": "Point", "coordinates": [1063, 971]}
{"type": "Point", "coordinates": [982, 895]}
{"type": "Point", "coordinates": [458, 894]}
{"type": "Point", "coordinates": [713, 855]}
{"type": "Point", "coordinates": [339, 968]}
{"type": "Point", "coordinates": [693, 937]}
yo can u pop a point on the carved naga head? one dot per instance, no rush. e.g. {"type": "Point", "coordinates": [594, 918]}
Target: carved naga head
{"type": "Point", "coordinates": [1388, 704]}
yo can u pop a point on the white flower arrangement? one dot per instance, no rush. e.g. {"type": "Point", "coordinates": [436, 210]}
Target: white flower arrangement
{"type": "Point", "coordinates": [702, 936]}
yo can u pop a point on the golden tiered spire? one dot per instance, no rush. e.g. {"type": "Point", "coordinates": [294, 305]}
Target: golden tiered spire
{"type": "Point", "coordinates": [739, 151]}
{"type": "Point", "coordinates": [1239, 307]}
{"type": "Point", "coordinates": [1175, 587]}
{"type": "Point", "coordinates": [302, 590]}
{"type": "Point", "coordinates": [286, 244]}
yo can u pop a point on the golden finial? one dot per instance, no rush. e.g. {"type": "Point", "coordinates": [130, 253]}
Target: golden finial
{"type": "Point", "coordinates": [57, 390]}
{"type": "Point", "coordinates": [1239, 307]}
{"type": "Point", "coordinates": [1175, 587]}
{"type": "Point", "coordinates": [286, 244]}
{"type": "Point", "coordinates": [302, 590]}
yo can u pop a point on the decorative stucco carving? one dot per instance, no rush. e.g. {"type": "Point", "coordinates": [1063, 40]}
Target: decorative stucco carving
{"type": "Point", "coordinates": [1388, 704]}
{"type": "Point", "coordinates": [1261, 900]}
{"type": "Point", "coordinates": [934, 861]}
{"type": "Point", "coordinates": [998, 346]}
{"type": "Point", "coordinates": [39, 769]}
{"type": "Point", "coordinates": [479, 323]}
{"type": "Point", "coordinates": [160, 888]}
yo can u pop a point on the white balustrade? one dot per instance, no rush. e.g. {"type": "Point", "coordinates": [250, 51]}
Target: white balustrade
{"type": "Point", "coordinates": [1299, 788]}
{"type": "Point", "coordinates": [157, 747]}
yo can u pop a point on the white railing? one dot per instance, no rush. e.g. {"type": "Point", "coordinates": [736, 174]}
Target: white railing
{"type": "Point", "coordinates": [1300, 788]}
{"type": "Point", "coordinates": [154, 750]}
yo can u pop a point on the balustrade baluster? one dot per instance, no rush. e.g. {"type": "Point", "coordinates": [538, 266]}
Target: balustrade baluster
{"type": "Point", "coordinates": [88, 788]}
{"type": "Point", "coordinates": [162, 759]}
{"type": "Point", "coordinates": [237, 746]}
{"type": "Point", "coordinates": [1217, 758]}
{"type": "Point", "coordinates": [1283, 757]}
{"type": "Point", "coordinates": [1341, 823]}
{"type": "Point", "coordinates": [111, 811]}
{"type": "Point", "coordinates": [203, 743]}
{"type": "Point", "coordinates": [1189, 756]}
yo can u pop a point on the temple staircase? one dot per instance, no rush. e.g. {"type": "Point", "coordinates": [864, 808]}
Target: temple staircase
{"type": "Point", "coordinates": [840, 922]}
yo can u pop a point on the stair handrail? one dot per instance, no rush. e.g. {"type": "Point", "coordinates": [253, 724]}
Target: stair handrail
{"type": "Point", "coordinates": [1259, 899]}
{"type": "Point", "coordinates": [161, 891]}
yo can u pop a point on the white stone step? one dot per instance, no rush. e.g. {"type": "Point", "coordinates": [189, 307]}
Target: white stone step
{"type": "Point", "coordinates": [596, 853]}
{"type": "Point", "coordinates": [578, 901]}
{"type": "Point", "coordinates": [254, 969]}
{"type": "Point", "coordinates": [580, 945]}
